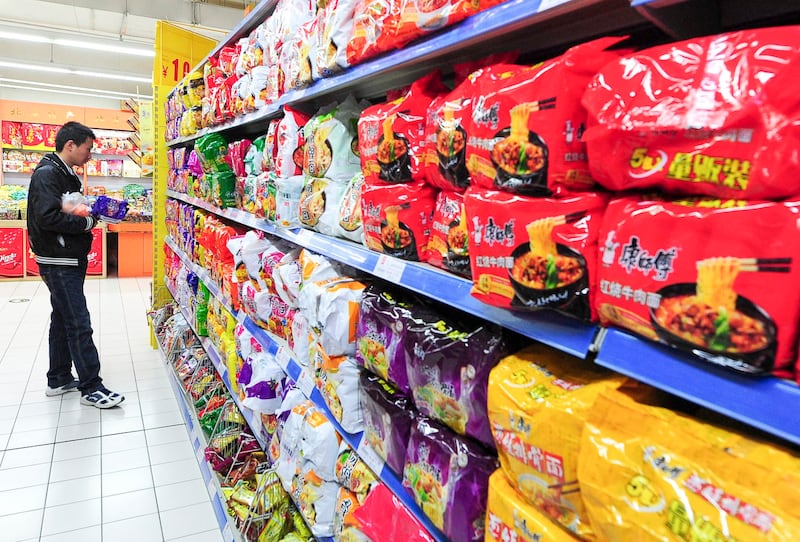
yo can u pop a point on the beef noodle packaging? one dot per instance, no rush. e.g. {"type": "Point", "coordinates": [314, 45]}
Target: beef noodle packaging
{"type": "Point", "coordinates": [391, 135]}
{"type": "Point", "coordinates": [448, 247]}
{"type": "Point", "coordinates": [397, 219]}
{"type": "Point", "coordinates": [534, 253]}
{"type": "Point", "coordinates": [712, 277]}
{"type": "Point", "coordinates": [714, 116]}
{"type": "Point", "coordinates": [526, 123]}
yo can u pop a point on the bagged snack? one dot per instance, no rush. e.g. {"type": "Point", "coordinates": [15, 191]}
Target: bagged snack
{"type": "Point", "coordinates": [397, 219]}
{"type": "Point", "coordinates": [289, 143]}
{"type": "Point", "coordinates": [509, 517]}
{"type": "Point", "coordinates": [534, 253]}
{"type": "Point", "coordinates": [350, 224]}
{"type": "Point", "coordinates": [110, 210]}
{"type": "Point", "coordinates": [261, 380]}
{"type": "Point", "coordinates": [648, 473]}
{"type": "Point", "coordinates": [448, 477]}
{"type": "Point", "coordinates": [538, 400]}
{"type": "Point", "coordinates": [319, 205]}
{"type": "Point", "coordinates": [319, 444]}
{"type": "Point", "coordinates": [383, 516]}
{"type": "Point", "coordinates": [335, 28]}
{"type": "Point", "coordinates": [391, 135]}
{"type": "Point", "coordinates": [380, 335]}
{"type": "Point", "coordinates": [525, 123]}
{"type": "Point", "coordinates": [332, 142]}
{"type": "Point", "coordinates": [707, 116]}
{"type": "Point", "coordinates": [287, 200]}
{"type": "Point", "coordinates": [345, 525]}
{"type": "Point", "coordinates": [337, 381]}
{"type": "Point", "coordinates": [353, 474]}
{"type": "Point", "coordinates": [688, 274]}
{"type": "Point", "coordinates": [448, 364]}
{"type": "Point", "coordinates": [388, 416]}
{"type": "Point", "coordinates": [332, 308]}
{"type": "Point", "coordinates": [448, 246]}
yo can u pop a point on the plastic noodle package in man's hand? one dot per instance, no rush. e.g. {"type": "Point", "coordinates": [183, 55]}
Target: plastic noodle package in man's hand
{"type": "Point", "coordinates": [74, 203]}
{"type": "Point", "coordinates": [109, 209]}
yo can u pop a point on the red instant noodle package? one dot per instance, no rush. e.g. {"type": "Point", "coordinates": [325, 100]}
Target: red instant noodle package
{"type": "Point", "coordinates": [397, 219]}
{"type": "Point", "coordinates": [391, 135]}
{"type": "Point", "coordinates": [534, 253]}
{"type": "Point", "coordinates": [708, 116]}
{"type": "Point", "coordinates": [711, 277]}
{"type": "Point", "coordinates": [526, 124]}
{"type": "Point", "coordinates": [448, 245]}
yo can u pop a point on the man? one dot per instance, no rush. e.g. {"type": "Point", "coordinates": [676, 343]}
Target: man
{"type": "Point", "coordinates": [61, 244]}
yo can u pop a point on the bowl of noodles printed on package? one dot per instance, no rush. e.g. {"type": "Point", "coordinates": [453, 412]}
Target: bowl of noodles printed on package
{"type": "Point", "coordinates": [393, 156]}
{"type": "Point", "coordinates": [451, 145]}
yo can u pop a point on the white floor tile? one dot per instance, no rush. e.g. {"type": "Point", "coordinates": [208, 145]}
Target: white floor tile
{"type": "Point", "coordinates": [90, 534]}
{"type": "Point", "coordinates": [125, 460]}
{"type": "Point", "coordinates": [37, 409]}
{"type": "Point", "coordinates": [191, 519]}
{"type": "Point", "coordinates": [174, 451]}
{"type": "Point", "coordinates": [33, 475]}
{"type": "Point", "coordinates": [76, 490]}
{"type": "Point", "coordinates": [162, 419]}
{"type": "Point", "coordinates": [27, 456]}
{"type": "Point", "coordinates": [134, 530]}
{"type": "Point", "coordinates": [24, 526]}
{"type": "Point", "coordinates": [8, 412]}
{"type": "Point", "coordinates": [24, 499]}
{"type": "Point", "coordinates": [76, 417]}
{"type": "Point", "coordinates": [125, 425]}
{"type": "Point", "coordinates": [69, 517]}
{"type": "Point", "coordinates": [27, 439]}
{"type": "Point", "coordinates": [34, 423]}
{"type": "Point", "coordinates": [123, 441]}
{"type": "Point", "coordinates": [158, 406]}
{"type": "Point", "coordinates": [129, 505]}
{"type": "Point", "coordinates": [75, 449]}
{"type": "Point", "coordinates": [127, 480]}
{"type": "Point", "coordinates": [76, 432]}
{"type": "Point", "coordinates": [181, 494]}
{"type": "Point", "coordinates": [213, 535]}
{"type": "Point", "coordinates": [6, 426]}
{"type": "Point", "coordinates": [171, 473]}
{"type": "Point", "coordinates": [75, 468]}
{"type": "Point", "coordinates": [164, 435]}
{"type": "Point", "coordinates": [4, 441]}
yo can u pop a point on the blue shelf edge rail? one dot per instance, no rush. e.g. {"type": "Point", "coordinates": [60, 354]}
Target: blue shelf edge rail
{"type": "Point", "coordinates": [767, 403]}
{"type": "Point", "coordinates": [481, 27]}
{"type": "Point", "coordinates": [229, 531]}
{"type": "Point", "coordinates": [551, 328]}
{"type": "Point", "coordinates": [305, 382]}
{"type": "Point", "coordinates": [252, 419]}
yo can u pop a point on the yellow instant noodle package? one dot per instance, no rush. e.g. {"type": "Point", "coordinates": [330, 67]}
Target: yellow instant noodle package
{"type": "Point", "coordinates": [651, 474]}
{"type": "Point", "coordinates": [509, 517]}
{"type": "Point", "coordinates": [538, 400]}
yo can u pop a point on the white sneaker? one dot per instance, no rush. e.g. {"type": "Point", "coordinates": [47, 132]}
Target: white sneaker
{"type": "Point", "coordinates": [61, 390]}
{"type": "Point", "coordinates": [102, 398]}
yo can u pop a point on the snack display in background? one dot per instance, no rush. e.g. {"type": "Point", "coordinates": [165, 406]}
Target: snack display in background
{"type": "Point", "coordinates": [448, 364]}
{"type": "Point", "coordinates": [380, 335]}
{"type": "Point", "coordinates": [388, 416]}
{"type": "Point", "coordinates": [290, 143]}
{"type": "Point", "coordinates": [332, 309]}
{"type": "Point", "coordinates": [509, 517]}
{"type": "Point", "coordinates": [345, 524]}
{"type": "Point", "coordinates": [287, 200]}
{"type": "Point", "coordinates": [319, 205]}
{"type": "Point", "coordinates": [534, 253]}
{"type": "Point", "coordinates": [383, 516]}
{"type": "Point", "coordinates": [353, 474]}
{"type": "Point", "coordinates": [649, 473]}
{"type": "Point", "coordinates": [350, 221]}
{"type": "Point", "coordinates": [526, 123]}
{"type": "Point", "coordinates": [538, 400]}
{"type": "Point", "coordinates": [694, 274]}
{"type": "Point", "coordinates": [391, 136]}
{"type": "Point", "coordinates": [397, 219]}
{"type": "Point", "coordinates": [448, 476]}
{"type": "Point", "coordinates": [448, 246]}
{"type": "Point", "coordinates": [336, 27]}
{"type": "Point", "coordinates": [337, 381]}
{"type": "Point", "coordinates": [331, 142]}
{"type": "Point", "coordinates": [710, 116]}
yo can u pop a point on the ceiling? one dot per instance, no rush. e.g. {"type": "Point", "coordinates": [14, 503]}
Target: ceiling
{"type": "Point", "coordinates": [104, 24]}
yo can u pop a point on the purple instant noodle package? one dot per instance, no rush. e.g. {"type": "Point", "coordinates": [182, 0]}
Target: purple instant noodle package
{"type": "Point", "coordinates": [448, 476]}
{"type": "Point", "coordinates": [448, 366]}
{"type": "Point", "coordinates": [380, 335]}
{"type": "Point", "coordinates": [388, 416]}
{"type": "Point", "coordinates": [109, 209]}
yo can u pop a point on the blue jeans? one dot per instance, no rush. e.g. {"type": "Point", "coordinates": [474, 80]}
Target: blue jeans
{"type": "Point", "coordinates": [70, 329]}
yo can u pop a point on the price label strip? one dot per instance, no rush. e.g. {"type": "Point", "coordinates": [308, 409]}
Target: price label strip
{"type": "Point", "coordinates": [389, 268]}
{"type": "Point", "coordinates": [283, 357]}
{"type": "Point", "coordinates": [369, 456]}
{"type": "Point", "coordinates": [306, 384]}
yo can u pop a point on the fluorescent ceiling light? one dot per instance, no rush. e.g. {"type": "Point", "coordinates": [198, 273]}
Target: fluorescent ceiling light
{"type": "Point", "coordinates": [57, 91]}
{"type": "Point", "coordinates": [94, 46]}
{"type": "Point", "coordinates": [20, 83]}
{"type": "Point", "coordinates": [86, 73]}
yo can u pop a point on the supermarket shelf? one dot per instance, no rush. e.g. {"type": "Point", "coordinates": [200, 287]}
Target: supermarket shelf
{"type": "Point", "coordinates": [524, 25]}
{"type": "Point", "coordinates": [767, 403]}
{"type": "Point", "coordinates": [229, 531]}
{"type": "Point", "coordinates": [305, 383]}
{"type": "Point", "coordinates": [553, 329]}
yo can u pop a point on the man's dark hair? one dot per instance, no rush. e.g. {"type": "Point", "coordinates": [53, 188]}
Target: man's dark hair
{"type": "Point", "coordinates": [73, 131]}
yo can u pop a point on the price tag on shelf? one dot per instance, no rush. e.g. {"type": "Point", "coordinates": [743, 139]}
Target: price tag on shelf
{"type": "Point", "coordinates": [227, 533]}
{"type": "Point", "coordinates": [199, 454]}
{"type": "Point", "coordinates": [389, 268]}
{"type": "Point", "coordinates": [211, 487]}
{"type": "Point", "coordinates": [283, 357]}
{"type": "Point", "coordinates": [306, 383]}
{"type": "Point", "coordinates": [304, 236]}
{"type": "Point", "coordinates": [369, 456]}
{"type": "Point", "coordinates": [547, 4]}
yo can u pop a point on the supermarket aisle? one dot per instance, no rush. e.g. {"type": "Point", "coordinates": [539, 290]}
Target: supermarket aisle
{"type": "Point", "coordinates": [71, 472]}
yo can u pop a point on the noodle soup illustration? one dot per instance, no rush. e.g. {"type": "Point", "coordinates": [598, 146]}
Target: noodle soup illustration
{"type": "Point", "coordinates": [393, 155]}
{"type": "Point", "coordinates": [397, 239]}
{"type": "Point", "coordinates": [432, 14]}
{"type": "Point", "coordinates": [451, 145]}
{"type": "Point", "coordinates": [428, 492]}
{"type": "Point", "coordinates": [546, 273]}
{"type": "Point", "coordinates": [711, 320]}
{"type": "Point", "coordinates": [444, 408]}
{"type": "Point", "coordinates": [520, 155]}
{"type": "Point", "coordinates": [457, 258]}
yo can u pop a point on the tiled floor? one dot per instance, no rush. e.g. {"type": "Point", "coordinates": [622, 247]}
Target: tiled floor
{"type": "Point", "coordinates": [74, 473]}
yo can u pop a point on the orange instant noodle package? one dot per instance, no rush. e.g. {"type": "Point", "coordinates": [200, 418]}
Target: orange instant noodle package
{"type": "Point", "coordinates": [525, 125]}
{"type": "Point", "coordinates": [651, 474]}
{"type": "Point", "coordinates": [391, 135]}
{"type": "Point", "coordinates": [397, 219]}
{"type": "Point", "coordinates": [534, 253]}
{"type": "Point", "coordinates": [715, 278]}
{"type": "Point", "coordinates": [538, 401]}
{"type": "Point", "coordinates": [715, 116]}
{"type": "Point", "coordinates": [509, 517]}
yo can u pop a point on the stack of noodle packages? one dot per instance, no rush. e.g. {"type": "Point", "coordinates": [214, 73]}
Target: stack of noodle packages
{"type": "Point", "coordinates": [538, 400]}
{"type": "Point", "coordinates": [649, 473]}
